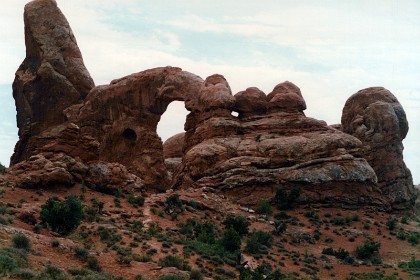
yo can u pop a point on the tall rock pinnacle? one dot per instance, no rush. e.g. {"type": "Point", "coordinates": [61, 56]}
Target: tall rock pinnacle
{"type": "Point", "coordinates": [51, 78]}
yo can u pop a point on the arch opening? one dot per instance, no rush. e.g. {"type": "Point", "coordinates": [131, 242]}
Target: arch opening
{"type": "Point", "coordinates": [172, 121]}
{"type": "Point", "coordinates": [130, 135]}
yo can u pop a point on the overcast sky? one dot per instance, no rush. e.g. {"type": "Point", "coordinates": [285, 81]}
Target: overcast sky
{"type": "Point", "coordinates": [330, 49]}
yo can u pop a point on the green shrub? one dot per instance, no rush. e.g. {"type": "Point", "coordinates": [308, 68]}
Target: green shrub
{"type": "Point", "coordinates": [174, 205]}
{"type": "Point", "coordinates": [194, 229]}
{"type": "Point", "coordinates": [282, 216]}
{"type": "Point", "coordinates": [368, 250]}
{"type": "Point", "coordinates": [237, 223]}
{"type": "Point", "coordinates": [211, 251]}
{"type": "Point", "coordinates": [21, 241]}
{"type": "Point", "coordinates": [174, 261]}
{"type": "Point", "coordinates": [20, 256]}
{"type": "Point", "coordinates": [391, 224]}
{"type": "Point", "coordinates": [142, 258]}
{"type": "Point", "coordinates": [172, 277]}
{"type": "Point", "coordinates": [279, 227]}
{"type": "Point", "coordinates": [104, 233]}
{"type": "Point", "coordinates": [81, 253]}
{"type": "Point", "coordinates": [86, 274]}
{"type": "Point", "coordinates": [413, 266]}
{"type": "Point", "coordinates": [263, 271]}
{"type": "Point", "coordinates": [413, 238]}
{"type": "Point", "coordinates": [37, 228]}
{"type": "Point", "coordinates": [370, 276]}
{"type": "Point", "coordinates": [257, 240]}
{"type": "Point", "coordinates": [222, 271]}
{"type": "Point", "coordinates": [135, 200]}
{"type": "Point", "coordinates": [90, 213]}
{"type": "Point", "coordinates": [339, 254]}
{"type": "Point", "coordinates": [62, 216]}
{"type": "Point", "coordinates": [328, 251]}
{"type": "Point", "coordinates": [118, 193]}
{"type": "Point", "coordinates": [52, 272]}
{"type": "Point", "coordinates": [196, 275]}
{"type": "Point", "coordinates": [3, 210]}
{"type": "Point", "coordinates": [3, 168]}
{"type": "Point", "coordinates": [264, 208]}
{"type": "Point", "coordinates": [93, 263]}
{"type": "Point", "coordinates": [231, 240]}
{"type": "Point", "coordinates": [7, 265]}
{"type": "Point", "coordinates": [284, 200]}
{"type": "Point", "coordinates": [3, 220]}
{"type": "Point", "coordinates": [99, 205]}
{"type": "Point", "coordinates": [24, 273]}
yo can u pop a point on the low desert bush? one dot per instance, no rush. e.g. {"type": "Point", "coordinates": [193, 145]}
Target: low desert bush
{"type": "Point", "coordinates": [339, 254]}
{"type": "Point", "coordinates": [52, 272]}
{"type": "Point", "coordinates": [172, 277]}
{"type": "Point", "coordinates": [174, 261]}
{"type": "Point", "coordinates": [258, 242]}
{"type": "Point", "coordinates": [284, 200]}
{"type": "Point", "coordinates": [194, 229]}
{"type": "Point", "coordinates": [237, 223]}
{"type": "Point", "coordinates": [369, 250]}
{"type": "Point", "coordinates": [370, 276]}
{"type": "Point", "coordinates": [174, 205]}
{"type": "Point", "coordinates": [81, 253]}
{"type": "Point", "coordinates": [279, 227]}
{"type": "Point", "coordinates": [231, 240]}
{"type": "Point", "coordinates": [62, 216]}
{"type": "Point", "coordinates": [412, 266]}
{"type": "Point", "coordinates": [135, 200]}
{"type": "Point", "coordinates": [3, 168]}
{"type": "Point", "coordinates": [391, 224]}
{"type": "Point", "coordinates": [196, 275]}
{"type": "Point", "coordinates": [264, 207]}
{"type": "Point", "coordinates": [21, 241]}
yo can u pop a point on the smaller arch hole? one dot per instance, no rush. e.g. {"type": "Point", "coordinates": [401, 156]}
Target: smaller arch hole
{"type": "Point", "coordinates": [130, 134]}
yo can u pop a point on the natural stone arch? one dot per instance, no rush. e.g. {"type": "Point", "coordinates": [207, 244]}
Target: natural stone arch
{"type": "Point", "coordinates": [123, 117]}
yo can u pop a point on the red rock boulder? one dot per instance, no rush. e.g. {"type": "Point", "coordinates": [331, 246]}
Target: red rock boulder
{"type": "Point", "coordinates": [375, 116]}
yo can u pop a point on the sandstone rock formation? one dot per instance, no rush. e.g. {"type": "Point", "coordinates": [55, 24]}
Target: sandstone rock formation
{"type": "Point", "coordinates": [173, 153]}
{"type": "Point", "coordinates": [105, 136]}
{"type": "Point", "coordinates": [375, 116]}
{"type": "Point", "coordinates": [250, 156]}
{"type": "Point", "coordinates": [172, 147]}
{"type": "Point", "coordinates": [51, 78]}
{"type": "Point", "coordinates": [112, 177]}
{"type": "Point", "coordinates": [48, 170]}
{"type": "Point", "coordinates": [123, 117]}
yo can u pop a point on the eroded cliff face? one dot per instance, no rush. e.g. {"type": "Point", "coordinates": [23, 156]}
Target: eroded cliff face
{"type": "Point", "coordinates": [106, 136]}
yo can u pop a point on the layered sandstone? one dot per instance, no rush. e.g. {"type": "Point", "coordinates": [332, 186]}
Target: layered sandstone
{"type": "Point", "coordinates": [272, 144]}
